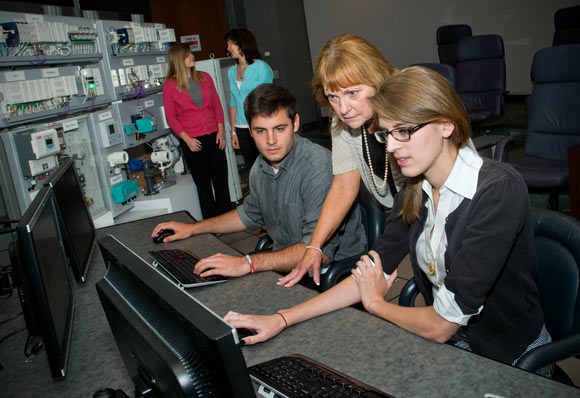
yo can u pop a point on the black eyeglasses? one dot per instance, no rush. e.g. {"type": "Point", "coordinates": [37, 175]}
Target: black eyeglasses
{"type": "Point", "coordinates": [403, 134]}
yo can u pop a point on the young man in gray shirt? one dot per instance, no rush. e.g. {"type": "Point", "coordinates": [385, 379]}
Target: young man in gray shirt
{"type": "Point", "coordinates": [288, 185]}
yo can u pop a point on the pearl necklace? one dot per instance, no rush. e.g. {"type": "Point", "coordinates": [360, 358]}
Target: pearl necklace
{"type": "Point", "coordinates": [364, 132]}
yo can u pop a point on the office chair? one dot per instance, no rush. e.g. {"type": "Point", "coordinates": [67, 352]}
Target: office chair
{"type": "Point", "coordinates": [480, 77]}
{"type": "Point", "coordinates": [567, 26]}
{"type": "Point", "coordinates": [446, 70]}
{"type": "Point", "coordinates": [373, 220]}
{"type": "Point", "coordinates": [553, 121]}
{"type": "Point", "coordinates": [557, 242]}
{"type": "Point", "coordinates": [447, 38]}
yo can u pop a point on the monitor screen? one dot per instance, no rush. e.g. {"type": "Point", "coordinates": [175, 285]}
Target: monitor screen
{"type": "Point", "coordinates": [42, 276]}
{"type": "Point", "coordinates": [172, 345]}
{"type": "Point", "coordinates": [78, 229]}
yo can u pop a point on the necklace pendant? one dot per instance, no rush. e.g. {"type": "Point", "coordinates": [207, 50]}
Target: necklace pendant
{"type": "Point", "coordinates": [431, 268]}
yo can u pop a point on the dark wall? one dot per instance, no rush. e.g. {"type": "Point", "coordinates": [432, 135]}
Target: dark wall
{"type": "Point", "coordinates": [280, 28]}
{"type": "Point", "coordinates": [190, 17]}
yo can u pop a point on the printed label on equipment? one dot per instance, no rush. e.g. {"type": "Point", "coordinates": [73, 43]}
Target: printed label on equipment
{"type": "Point", "coordinates": [148, 103]}
{"type": "Point", "coordinates": [116, 179]}
{"type": "Point", "coordinates": [33, 18]}
{"type": "Point", "coordinates": [70, 125]}
{"type": "Point", "coordinates": [105, 116]}
{"type": "Point", "coordinates": [128, 62]}
{"type": "Point", "coordinates": [14, 76]}
{"type": "Point", "coordinates": [51, 72]}
{"type": "Point", "coordinates": [161, 60]}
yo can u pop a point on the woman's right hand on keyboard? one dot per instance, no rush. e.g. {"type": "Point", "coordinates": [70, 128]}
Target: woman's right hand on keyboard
{"type": "Point", "coordinates": [266, 327]}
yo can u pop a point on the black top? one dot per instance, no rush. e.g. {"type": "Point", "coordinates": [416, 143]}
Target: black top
{"type": "Point", "coordinates": [490, 260]}
{"type": "Point", "coordinates": [377, 151]}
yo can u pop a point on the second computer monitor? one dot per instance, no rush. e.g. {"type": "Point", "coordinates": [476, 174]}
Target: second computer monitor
{"type": "Point", "coordinates": [78, 230]}
{"type": "Point", "coordinates": [41, 274]}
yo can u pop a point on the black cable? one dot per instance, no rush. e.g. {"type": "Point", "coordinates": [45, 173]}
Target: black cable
{"type": "Point", "coordinates": [11, 334]}
{"type": "Point", "coordinates": [14, 221]}
{"type": "Point", "coordinates": [10, 319]}
{"type": "Point", "coordinates": [6, 283]}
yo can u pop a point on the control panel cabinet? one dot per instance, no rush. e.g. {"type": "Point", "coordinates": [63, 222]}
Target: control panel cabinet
{"type": "Point", "coordinates": [218, 70]}
{"type": "Point", "coordinates": [134, 57]}
{"type": "Point", "coordinates": [49, 67]}
{"type": "Point", "coordinates": [111, 161]}
{"type": "Point", "coordinates": [142, 120]}
{"type": "Point", "coordinates": [35, 151]}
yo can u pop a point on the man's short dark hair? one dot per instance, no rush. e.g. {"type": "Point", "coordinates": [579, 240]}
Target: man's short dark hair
{"type": "Point", "coordinates": [267, 99]}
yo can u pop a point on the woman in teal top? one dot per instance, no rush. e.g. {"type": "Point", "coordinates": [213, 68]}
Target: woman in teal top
{"type": "Point", "coordinates": [244, 77]}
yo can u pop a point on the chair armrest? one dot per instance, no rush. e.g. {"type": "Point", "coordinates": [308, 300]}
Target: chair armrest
{"type": "Point", "coordinates": [337, 271]}
{"type": "Point", "coordinates": [550, 353]}
{"type": "Point", "coordinates": [500, 103]}
{"type": "Point", "coordinates": [500, 153]}
{"type": "Point", "coordinates": [263, 244]}
{"type": "Point", "coordinates": [409, 293]}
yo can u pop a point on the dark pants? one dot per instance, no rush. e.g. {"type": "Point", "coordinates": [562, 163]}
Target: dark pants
{"type": "Point", "coordinates": [247, 146]}
{"type": "Point", "coordinates": [209, 167]}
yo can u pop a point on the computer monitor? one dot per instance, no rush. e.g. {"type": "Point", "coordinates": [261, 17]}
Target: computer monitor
{"type": "Point", "coordinates": [42, 277]}
{"type": "Point", "coordinates": [172, 345]}
{"type": "Point", "coordinates": [78, 229]}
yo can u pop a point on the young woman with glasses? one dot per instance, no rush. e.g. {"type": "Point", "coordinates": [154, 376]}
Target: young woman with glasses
{"type": "Point", "coordinates": [466, 223]}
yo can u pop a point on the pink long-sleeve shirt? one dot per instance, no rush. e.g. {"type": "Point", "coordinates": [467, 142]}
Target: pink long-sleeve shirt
{"type": "Point", "coordinates": [183, 114]}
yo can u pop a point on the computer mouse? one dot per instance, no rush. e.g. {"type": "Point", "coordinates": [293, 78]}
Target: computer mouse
{"type": "Point", "coordinates": [243, 332]}
{"type": "Point", "coordinates": [164, 233]}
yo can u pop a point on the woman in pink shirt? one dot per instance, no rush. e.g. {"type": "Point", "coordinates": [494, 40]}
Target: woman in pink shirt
{"type": "Point", "coordinates": [194, 113]}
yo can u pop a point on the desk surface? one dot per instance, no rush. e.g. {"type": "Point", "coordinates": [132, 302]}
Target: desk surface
{"type": "Point", "coordinates": [349, 340]}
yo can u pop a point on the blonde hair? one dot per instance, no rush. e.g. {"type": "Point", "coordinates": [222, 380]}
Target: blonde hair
{"type": "Point", "coordinates": [419, 95]}
{"type": "Point", "coordinates": [177, 70]}
{"type": "Point", "coordinates": [347, 60]}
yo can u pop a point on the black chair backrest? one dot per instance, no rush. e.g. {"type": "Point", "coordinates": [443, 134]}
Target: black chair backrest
{"type": "Point", "coordinates": [480, 71]}
{"type": "Point", "coordinates": [554, 109]}
{"type": "Point", "coordinates": [567, 26]}
{"type": "Point", "coordinates": [557, 240]}
{"type": "Point", "coordinates": [446, 70]}
{"type": "Point", "coordinates": [447, 38]}
{"type": "Point", "coordinates": [373, 216]}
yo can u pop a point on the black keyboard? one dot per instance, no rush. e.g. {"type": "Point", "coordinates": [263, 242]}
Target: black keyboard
{"type": "Point", "coordinates": [179, 264]}
{"type": "Point", "coordinates": [299, 376]}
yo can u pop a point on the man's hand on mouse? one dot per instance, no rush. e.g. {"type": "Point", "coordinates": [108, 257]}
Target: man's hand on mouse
{"type": "Point", "coordinates": [181, 230]}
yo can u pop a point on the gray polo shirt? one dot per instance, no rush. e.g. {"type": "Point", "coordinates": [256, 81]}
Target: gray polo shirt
{"type": "Point", "coordinates": [289, 202]}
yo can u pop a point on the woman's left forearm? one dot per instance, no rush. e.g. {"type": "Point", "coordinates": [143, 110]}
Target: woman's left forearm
{"type": "Point", "coordinates": [422, 321]}
{"type": "Point", "coordinates": [342, 295]}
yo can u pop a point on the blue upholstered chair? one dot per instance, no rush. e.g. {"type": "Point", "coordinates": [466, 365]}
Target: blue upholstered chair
{"type": "Point", "coordinates": [481, 77]}
{"type": "Point", "coordinates": [567, 26]}
{"type": "Point", "coordinates": [447, 38]}
{"type": "Point", "coordinates": [557, 241]}
{"type": "Point", "coordinates": [446, 70]}
{"type": "Point", "coordinates": [553, 121]}
{"type": "Point", "coordinates": [373, 220]}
